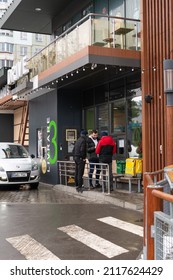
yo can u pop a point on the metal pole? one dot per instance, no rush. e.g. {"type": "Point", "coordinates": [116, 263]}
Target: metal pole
{"type": "Point", "coordinates": [108, 179]}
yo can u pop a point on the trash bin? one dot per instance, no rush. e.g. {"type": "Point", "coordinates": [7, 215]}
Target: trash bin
{"type": "Point", "coordinates": [121, 164]}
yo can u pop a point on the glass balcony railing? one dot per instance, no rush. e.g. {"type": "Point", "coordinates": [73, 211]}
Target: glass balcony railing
{"type": "Point", "coordinates": [94, 29]}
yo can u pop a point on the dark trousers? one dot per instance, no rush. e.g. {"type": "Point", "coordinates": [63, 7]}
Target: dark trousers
{"type": "Point", "coordinates": [92, 164]}
{"type": "Point", "coordinates": [79, 171]}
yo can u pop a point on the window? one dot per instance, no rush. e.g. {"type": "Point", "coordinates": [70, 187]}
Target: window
{"type": "Point", "coordinates": [118, 122]}
{"type": "Point", "coordinates": [133, 9]}
{"type": "Point", "coordinates": [2, 47]}
{"type": "Point", "coordinates": [37, 50]}
{"type": "Point", "coordinates": [102, 118]}
{"type": "Point", "coordinates": [9, 47]}
{"type": "Point", "coordinates": [90, 118]}
{"type": "Point", "coordinates": [39, 37]}
{"type": "Point", "coordinates": [6, 63]}
{"type": "Point", "coordinates": [116, 8]}
{"type": "Point", "coordinates": [101, 94]}
{"type": "Point", "coordinates": [101, 7]}
{"type": "Point", "coordinates": [6, 47]}
{"type": "Point", "coordinates": [23, 35]}
{"type": "Point", "coordinates": [23, 51]}
{"type": "Point", "coordinates": [134, 126]}
{"type": "Point", "coordinates": [6, 33]}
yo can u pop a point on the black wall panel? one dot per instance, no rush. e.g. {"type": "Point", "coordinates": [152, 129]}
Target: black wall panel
{"type": "Point", "coordinates": [6, 128]}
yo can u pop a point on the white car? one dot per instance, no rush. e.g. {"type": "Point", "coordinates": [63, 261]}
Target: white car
{"type": "Point", "coordinates": [17, 167]}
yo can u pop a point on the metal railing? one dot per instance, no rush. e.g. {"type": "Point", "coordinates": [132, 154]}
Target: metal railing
{"type": "Point", "coordinates": [93, 29]}
{"type": "Point", "coordinates": [158, 216]}
{"type": "Point", "coordinates": [163, 229]}
{"type": "Point", "coordinates": [66, 171]}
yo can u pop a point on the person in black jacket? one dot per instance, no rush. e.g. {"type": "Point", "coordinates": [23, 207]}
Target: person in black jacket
{"type": "Point", "coordinates": [79, 152]}
{"type": "Point", "coordinates": [93, 159]}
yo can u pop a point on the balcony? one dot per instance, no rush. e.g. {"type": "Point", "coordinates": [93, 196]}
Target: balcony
{"type": "Point", "coordinates": [92, 30]}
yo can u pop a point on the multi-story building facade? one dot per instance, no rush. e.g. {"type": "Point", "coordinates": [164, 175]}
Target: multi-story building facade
{"type": "Point", "coordinates": [88, 77]}
{"type": "Point", "coordinates": [99, 72]}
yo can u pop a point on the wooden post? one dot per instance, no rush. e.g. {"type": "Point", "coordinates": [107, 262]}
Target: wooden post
{"type": "Point", "coordinates": [152, 204]}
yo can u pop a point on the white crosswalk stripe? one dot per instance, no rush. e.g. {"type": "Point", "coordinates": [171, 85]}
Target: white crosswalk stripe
{"type": "Point", "coordinates": [135, 229]}
{"type": "Point", "coordinates": [33, 250]}
{"type": "Point", "coordinates": [93, 241]}
{"type": "Point", "coordinates": [30, 248]}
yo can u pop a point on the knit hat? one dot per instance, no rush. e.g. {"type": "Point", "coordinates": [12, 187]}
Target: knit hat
{"type": "Point", "coordinates": [83, 132]}
{"type": "Point", "coordinates": [104, 133]}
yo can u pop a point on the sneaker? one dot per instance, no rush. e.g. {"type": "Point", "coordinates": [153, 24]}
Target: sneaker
{"type": "Point", "coordinates": [92, 187]}
{"type": "Point", "coordinates": [80, 189]}
{"type": "Point", "coordinates": [98, 185]}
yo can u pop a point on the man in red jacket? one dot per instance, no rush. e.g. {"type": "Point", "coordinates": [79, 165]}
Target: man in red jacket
{"type": "Point", "coordinates": [106, 148]}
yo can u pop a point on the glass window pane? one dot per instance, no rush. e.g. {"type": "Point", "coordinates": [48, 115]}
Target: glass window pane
{"type": "Point", "coordinates": [102, 118]}
{"type": "Point", "coordinates": [118, 122]}
{"type": "Point", "coordinates": [116, 8]}
{"type": "Point", "coordinates": [90, 118]}
{"type": "Point", "coordinates": [133, 9]}
{"type": "Point", "coordinates": [134, 131]}
{"type": "Point", "coordinates": [101, 7]}
{"type": "Point", "coordinates": [101, 94]}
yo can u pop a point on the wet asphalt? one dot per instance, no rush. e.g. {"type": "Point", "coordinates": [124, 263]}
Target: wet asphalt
{"type": "Point", "coordinates": [39, 213]}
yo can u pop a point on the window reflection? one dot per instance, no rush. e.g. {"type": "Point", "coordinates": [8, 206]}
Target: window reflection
{"type": "Point", "coordinates": [134, 129]}
{"type": "Point", "coordinates": [102, 117]}
{"type": "Point", "coordinates": [118, 116]}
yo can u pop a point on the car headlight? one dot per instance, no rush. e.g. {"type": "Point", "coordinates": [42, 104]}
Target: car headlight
{"type": "Point", "coordinates": [34, 166]}
{"type": "Point", "coordinates": [1, 169]}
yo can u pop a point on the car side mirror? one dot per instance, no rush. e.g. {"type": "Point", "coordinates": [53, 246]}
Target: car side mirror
{"type": "Point", "coordinates": [32, 156]}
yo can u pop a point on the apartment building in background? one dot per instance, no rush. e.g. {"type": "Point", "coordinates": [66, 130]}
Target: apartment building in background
{"type": "Point", "coordinates": [14, 46]}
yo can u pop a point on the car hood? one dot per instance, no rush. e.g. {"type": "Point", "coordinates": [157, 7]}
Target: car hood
{"type": "Point", "coordinates": [16, 164]}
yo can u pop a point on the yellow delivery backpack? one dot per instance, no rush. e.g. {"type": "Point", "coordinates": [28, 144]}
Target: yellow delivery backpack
{"type": "Point", "coordinates": [130, 167]}
{"type": "Point", "coordinates": [138, 167]}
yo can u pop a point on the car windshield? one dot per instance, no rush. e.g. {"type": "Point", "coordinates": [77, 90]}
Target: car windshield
{"type": "Point", "coordinates": [13, 151]}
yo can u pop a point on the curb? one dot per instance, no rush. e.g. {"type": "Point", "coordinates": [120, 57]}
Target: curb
{"type": "Point", "coordinates": [98, 197]}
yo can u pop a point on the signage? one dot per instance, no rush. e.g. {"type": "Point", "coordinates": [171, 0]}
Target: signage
{"type": "Point", "coordinates": [17, 71]}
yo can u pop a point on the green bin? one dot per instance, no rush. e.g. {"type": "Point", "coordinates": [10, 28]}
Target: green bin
{"type": "Point", "coordinates": [121, 165]}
